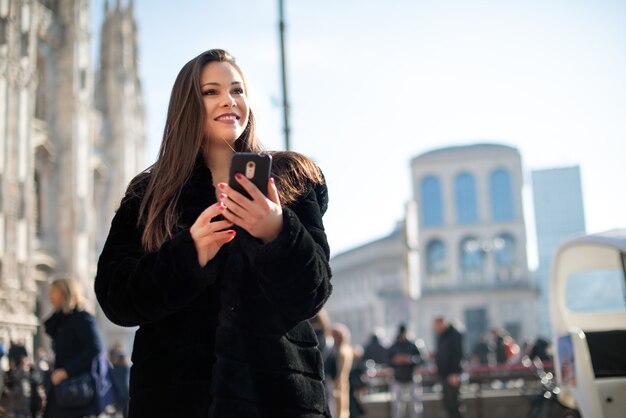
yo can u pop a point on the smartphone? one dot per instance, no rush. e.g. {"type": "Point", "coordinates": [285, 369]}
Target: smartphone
{"type": "Point", "coordinates": [256, 167]}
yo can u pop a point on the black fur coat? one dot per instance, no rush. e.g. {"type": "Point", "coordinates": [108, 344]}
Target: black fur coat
{"type": "Point", "coordinates": [230, 339]}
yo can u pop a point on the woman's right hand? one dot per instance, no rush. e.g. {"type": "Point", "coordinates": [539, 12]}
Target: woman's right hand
{"type": "Point", "coordinates": [208, 236]}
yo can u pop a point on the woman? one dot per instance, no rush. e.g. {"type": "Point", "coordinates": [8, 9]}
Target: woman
{"type": "Point", "coordinates": [221, 301]}
{"type": "Point", "coordinates": [341, 379]}
{"type": "Point", "coordinates": [75, 341]}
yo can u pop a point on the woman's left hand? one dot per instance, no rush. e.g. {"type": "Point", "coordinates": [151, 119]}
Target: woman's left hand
{"type": "Point", "coordinates": [58, 376]}
{"type": "Point", "coordinates": [262, 216]}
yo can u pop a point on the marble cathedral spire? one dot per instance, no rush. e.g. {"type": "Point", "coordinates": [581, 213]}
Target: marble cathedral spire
{"type": "Point", "coordinates": [120, 100]}
{"type": "Point", "coordinates": [120, 146]}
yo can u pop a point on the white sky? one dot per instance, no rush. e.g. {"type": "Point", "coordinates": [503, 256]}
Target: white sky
{"type": "Point", "coordinates": [373, 84]}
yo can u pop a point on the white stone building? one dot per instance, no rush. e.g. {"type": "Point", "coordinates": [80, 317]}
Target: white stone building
{"type": "Point", "coordinates": [368, 287]}
{"type": "Point", "coordinates": [471, 254]}
{"type": "Point", "coordinates": [65, 160]}
{"type": "Point", "coordinates": [472, 241]}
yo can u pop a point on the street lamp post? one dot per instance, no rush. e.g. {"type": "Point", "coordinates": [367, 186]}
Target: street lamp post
{"type": "Point", "coordinates": [281, 28]}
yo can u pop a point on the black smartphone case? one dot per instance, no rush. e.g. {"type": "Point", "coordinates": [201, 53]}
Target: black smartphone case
{"type": "Point", "coordinates": [256, 167]}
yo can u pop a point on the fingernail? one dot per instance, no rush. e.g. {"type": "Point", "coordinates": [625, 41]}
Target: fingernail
{"type": "Point", "coordinates": [221, 186]}
{"type": "Point", "coordinates": [220, 205]}
{"type": "Point", "coordinates": [232, 232]}
{"type": "Point", "coordinates": [272, 180]}
{"type": "Point", "coordinates": [222, 196]}
{"type": "Point", "coordinates": [238, 176]}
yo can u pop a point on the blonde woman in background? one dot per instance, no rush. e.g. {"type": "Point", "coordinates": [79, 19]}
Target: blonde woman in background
{"type": "Point", "coordinates": [75, 341]}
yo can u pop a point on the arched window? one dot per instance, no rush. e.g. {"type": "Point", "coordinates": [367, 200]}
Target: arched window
{"type": "Point", "coordinates": [436, 262]}
{"type": "Point", "coordinates": [472, 260]}
{"type": "Point", "coordinates": [506, 257]}
{"type": "Point", "coordinates": [465, 199]}
{"type": "Point", "coordinates": [501, 194]}
{"type": "Point", "coordinates": [431, 202]}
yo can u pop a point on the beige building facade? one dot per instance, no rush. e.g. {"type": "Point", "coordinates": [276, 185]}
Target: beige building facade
{"type": "Point", "coordinates": [65, 158]}
{"type": "Point", "coordinates": [368, 288]}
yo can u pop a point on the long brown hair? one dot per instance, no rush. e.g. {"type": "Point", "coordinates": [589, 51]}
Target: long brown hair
{"type": "Point", "coordinates": [183, 137]}
{"type": "Point", "coordinates": [293, 173]}
{"type": "Point", "coordinates": [182, 142]}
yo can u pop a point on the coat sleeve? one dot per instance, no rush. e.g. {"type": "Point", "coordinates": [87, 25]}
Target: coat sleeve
{"type": "Point", "coordinates": [456, 354]}
{"type": "Point", "coordinates": [86, 331]}
{"type": "Point", "coordinates": [293, 270]}
{"type": "Point", "coordinates": [136, 287]}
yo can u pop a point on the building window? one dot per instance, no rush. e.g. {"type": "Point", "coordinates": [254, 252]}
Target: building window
{"type": "Point", "coordinates": [431, 202]}
{"type": "Point", "coordinates": [501, 194]}
{"type": "Point", "coordinates": [465, 197]}
{"type": "Point", "coordinates": [436, 264]}
{"type": "Point", "coordinates": [38, 205]}
{"type": "Point", "coordinates": [476, 325]}
{"type": "Point", "coordinates": [24, 38]}
{"type": "Point", "coordinates": [23, 196]}
{"type": "Point", "coordinates": [472, 260]}
{"type": "Point", "coordinates": [506, 257]}
{"type": "Point", "coordinates": [83, 79]}
{"type": "Point", "coordinates": [3, 30]}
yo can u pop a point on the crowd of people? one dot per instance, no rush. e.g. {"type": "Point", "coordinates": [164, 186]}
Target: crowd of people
{"type": "Point", "coordinates": [499, 348]}
{"type": "Point", "coordinates": [405, 364]}
{"type": "Point", "coordinates": [346, 368]}
{"type": "Point", "coordinates": [42, 385]}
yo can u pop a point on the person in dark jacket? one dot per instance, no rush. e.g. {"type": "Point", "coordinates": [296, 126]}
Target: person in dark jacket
{"type": "Point", "coordinates": [221, 286]}
{"type": "Point", "coordinates": [374, 350]}
{"type": "Point", "coordinates": [17, 352]}
{"type": "Point", "coordinates": [540, 350]}
{"type": "Point", "coordinates": [75, 341]}
{"type": "Point", "coordinates": [498, 345]}
{"type": "Point", "coordinates": [121, 375]}
{"type": "Point", "coordinates": [405, 359]}
{"type": "Point", "coordinates": [448, 360]}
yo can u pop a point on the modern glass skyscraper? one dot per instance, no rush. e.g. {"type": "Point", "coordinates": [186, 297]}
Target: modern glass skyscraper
{"type": "Point", "coordinates": [559, 215]}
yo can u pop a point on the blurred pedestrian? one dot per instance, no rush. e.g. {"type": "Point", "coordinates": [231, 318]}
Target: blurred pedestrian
{"type": "Point", "coordinates": [374, 350]}
{"type": "Point", "coordinates": [17, 352]}
{"type": "Point", "coordinates": [18, 385]}
{"type": "Point", "coordinates": [539, 350]}
{"type": "Point", "coordinates": [121, 375]}
{"type": "Point", "coordinates": [37, 392]}
{"type": "Point", "coordinates": [221, 283]}
{"type": "Point", "coordinates": [76, 343]}
{"type": "Point", "coordinates": [480, 351]}
{"type": "Point", "coordinates": [448, 360]}
{"type": "Point", "coordinates": [497, 345]}
{"type": "Point", "coordinates": [357, 383]}
{"type": "Point", "coordinates": [405, 359]}
{"type": "Point", "coordinates": [3, 353]}
{"type": "Point", "coordinates": [41, 378]}
{"type": "Point", "coordinates": [343, 357]}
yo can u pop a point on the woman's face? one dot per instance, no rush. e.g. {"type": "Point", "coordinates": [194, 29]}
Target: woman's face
{"type": "Point", "coordinates": [225, 102]}
{"type": "Point", "coordinates": [55, 295]}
